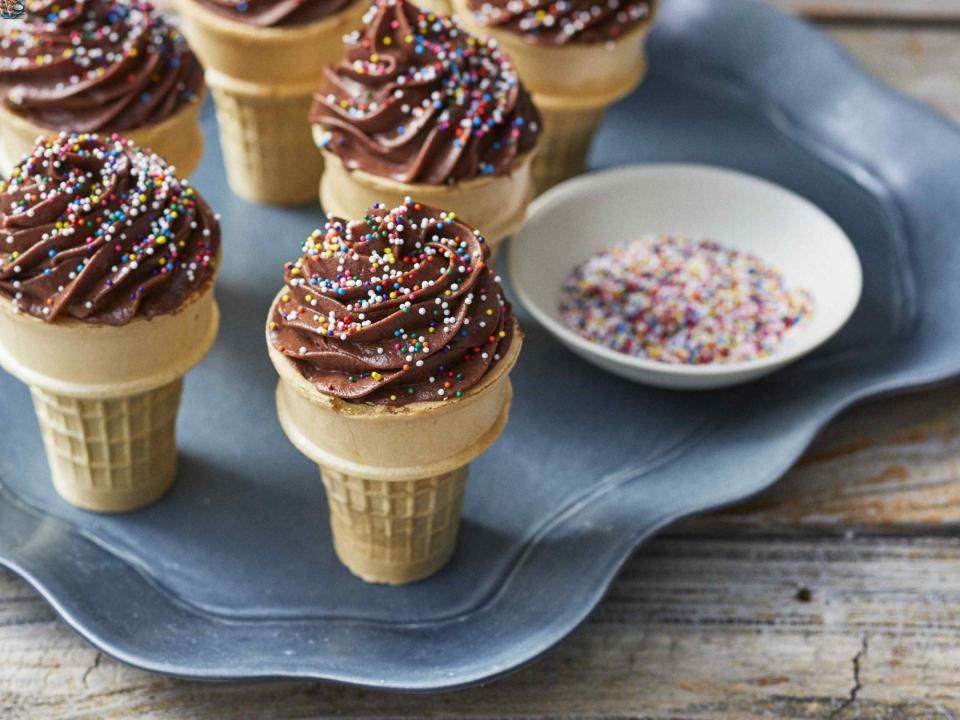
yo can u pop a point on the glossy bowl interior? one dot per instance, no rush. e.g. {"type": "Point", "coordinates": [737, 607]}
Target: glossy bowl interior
{"type": "Point", "coordinates": [574, 220]}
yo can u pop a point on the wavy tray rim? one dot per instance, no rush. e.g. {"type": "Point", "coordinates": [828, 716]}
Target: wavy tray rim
{"type": "Point", "coordinates": [870, 177]}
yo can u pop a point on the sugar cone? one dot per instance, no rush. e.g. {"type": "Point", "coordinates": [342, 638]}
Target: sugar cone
{"type": "Point", "coordinates": [106, 397]}
{"type": "Point", "coordinates": [394, 531]}
{"type": "Point", "coordinates": [496, 204]}
{"type": "Point", "coordinates": [568, 130]}
{"type": "Point", "coordinates": [394, 476]}
{"type": "Point", "coordinates": [178, 139]}
{"type": "Point", "coordinates": [110, 454]}
{"type": "Point", "coordinates": [571, 102]}
{"type": "Point", "coordinates": [269, 157]}
{"type": "Point", "coordinates": [263, 80]}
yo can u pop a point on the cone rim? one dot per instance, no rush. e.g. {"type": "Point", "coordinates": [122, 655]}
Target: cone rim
{"type": "Point", "coordinates": [10, 116]}
{"type": "Point", "coordinates": [269, 34]}
{"type": "Point", "coordinates": [393, 473]}
{"type": "Point", "coordinates": [70, 327]}
{"type": "Point", "coordinates": [418, 190]}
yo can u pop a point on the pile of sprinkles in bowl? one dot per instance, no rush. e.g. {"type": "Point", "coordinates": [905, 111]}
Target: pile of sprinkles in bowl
{"type": "Point", "coordinates": [682, 301]}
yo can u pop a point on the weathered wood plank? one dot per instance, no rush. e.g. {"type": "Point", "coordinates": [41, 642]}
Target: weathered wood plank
{"type": "Point", "coordinates": [923, 62]}
{"type": "Point", "coordinates": [887, 466]}
{"type": "Point", "coordinates": [692, 629]}
{"type": "Point", "coordinates": [890, 10]}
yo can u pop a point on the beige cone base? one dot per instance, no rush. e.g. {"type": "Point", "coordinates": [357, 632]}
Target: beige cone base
{"type": "Point", "coordinates": [394, 475]}
{"type": "Point", "coordinates": [394, 532]}
{"type": "Point", "coordinates": [394, 523]}
{"type": "Point", "coordinates": [267, 145]}
{"type": "Point", "coordinates": [564, 144]}
{"type": "Point", "coordinates": [263, 80]}
{"type": "Point", "coordinates": [110, 454]}
{"type": "Point", "coordinates": [293, 54]}
{"type": "Point", "coordinates": [495, 205]}
{"type": "Point", "coordinates": [178, 139]}
{"type": "Point", "coordinates": [106, 398]}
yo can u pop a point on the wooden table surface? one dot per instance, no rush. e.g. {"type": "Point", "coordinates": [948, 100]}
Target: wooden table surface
{"type": "Point", "coordinates": [834, 595]}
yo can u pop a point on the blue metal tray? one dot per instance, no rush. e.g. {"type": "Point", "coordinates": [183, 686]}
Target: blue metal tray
{"type": "Point", "coordinates": [233, 574]}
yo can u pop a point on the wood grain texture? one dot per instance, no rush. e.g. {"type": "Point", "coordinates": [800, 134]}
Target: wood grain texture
{"type": "Point", "coordinates": [692, 629]}
{"type": "Point", "coordinates": [887, 10]}
{"type": "Point", "coordinates": [887, 467]}
{"type": "Point", "coordinates": [834, 595]}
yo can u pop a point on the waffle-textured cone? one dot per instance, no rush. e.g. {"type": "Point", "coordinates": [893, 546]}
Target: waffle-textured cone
{"type": "Point", "coordinates": [495, 204]}
{"type": "Point", "coordinates": [178, 139]}
{"type": "Point", "coordinates": [267, 147]}
{"type": "Point", "coordinates": [110, 454]}
{"type": "Point", "coordinates": [106, 398]}
{"type": "Point", "coordinates": [263, 80]}
{"type": "Point", "coordinates": [394, 476]}
{"type": "Point", "coordinates": [564, 143]}
{"type": "Point", "coordinates": [571, 102]}
{"type": "Point", "coordinates": [394, 531]}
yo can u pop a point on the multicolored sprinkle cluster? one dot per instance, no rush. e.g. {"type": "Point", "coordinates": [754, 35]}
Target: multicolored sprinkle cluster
{"type": "Point", "coordinates": [100, 230]}
{"type": "Point", "coordinates": [562, 21]}
{"type": "Point", "coordinates": [677, 300]}
{"type": "Point", "coordinates": [419, 99]}
{"type": "Point", "coordinates": [398, 307]}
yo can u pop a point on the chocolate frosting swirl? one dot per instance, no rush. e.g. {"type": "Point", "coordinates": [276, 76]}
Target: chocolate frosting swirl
{"type": "Point", "coordinates": [397, 308]}
{"type": "Point", "coordinates": [98, 230]}
{"type": "Point", "coordinates": [275, 13]}
{"type": "Point", "coordinates": [557, 22]}
{"type": "Point", "coordinates": [419, 100]}
{"type": "Point", "coordinates": [95, 65]}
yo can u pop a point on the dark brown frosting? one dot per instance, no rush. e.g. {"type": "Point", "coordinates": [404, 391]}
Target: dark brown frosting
{"type": "Point", "coordinates": [396, 308]}
{"type": "Point", "coordinates": [96, 229]}
{"type": "Point", "coordinates": [275, 13]}
{"type": "Point", "coordinates": [95, 65]}
{"type": "Point", "coordinates": [558, 22]}
{"type": "Point", "coordinates": [419, 100]}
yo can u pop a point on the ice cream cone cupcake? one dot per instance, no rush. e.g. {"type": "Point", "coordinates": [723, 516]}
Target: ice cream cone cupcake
{"type": "Point", "coordinates": [417, 107]}
{"type": "Point", "coordinates": [99, 66]}
{"type": "Point", "coordinates": [263, 60]}
{"type": "Point", "coordinates": [393, 343]}
{"type": "Point", "coordinates": [577, 57]}
{"type": "Point", "coordinates": [107, 264]}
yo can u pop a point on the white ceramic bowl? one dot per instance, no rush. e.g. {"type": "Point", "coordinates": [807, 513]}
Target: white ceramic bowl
{"type": "Point", "coordinates": [574, 220]}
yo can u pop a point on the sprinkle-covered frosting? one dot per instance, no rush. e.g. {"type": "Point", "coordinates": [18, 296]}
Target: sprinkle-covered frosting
{"type": "Point", "coordinates": [399, 307]}
{"type": "Point", "coordinates": [683, 301]}
{"type": "Point", "coordinates": [95, 229]}
{"type": "Point", "coordinates": [95, 65]}
{"type": "Point", "coordinates": [419, 100]}
{"type": "Point", "coordinates": [557, 22]}
{"type": "Point", "coordinates": [276, 13]}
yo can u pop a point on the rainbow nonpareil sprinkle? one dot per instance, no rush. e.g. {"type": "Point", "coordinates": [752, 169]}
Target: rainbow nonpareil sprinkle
{"type": "Point", "coordinates": [682, 301]}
